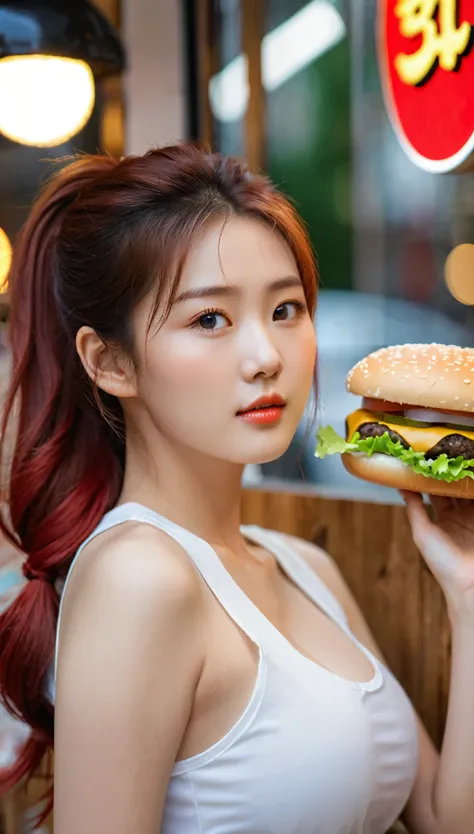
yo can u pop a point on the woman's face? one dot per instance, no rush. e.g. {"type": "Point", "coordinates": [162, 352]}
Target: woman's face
{"type": "Point", "coordinates": [238, 329]}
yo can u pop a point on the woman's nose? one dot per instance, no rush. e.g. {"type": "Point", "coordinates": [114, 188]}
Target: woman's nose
{"type": "Point", "coordinates": [260, 356]}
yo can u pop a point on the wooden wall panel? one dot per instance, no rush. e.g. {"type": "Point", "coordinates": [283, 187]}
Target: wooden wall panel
{"type": "Point", "coordinates": [403, 604]}
{"type": "Point", "coordinates": [255, 122]}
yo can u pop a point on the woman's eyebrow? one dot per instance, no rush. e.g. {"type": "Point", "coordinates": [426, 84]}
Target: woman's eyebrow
{"type": "Point", "coordinates": [230, 289]}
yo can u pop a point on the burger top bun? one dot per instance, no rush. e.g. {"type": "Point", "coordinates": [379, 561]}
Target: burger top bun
{"type": "Point", "coordinates": [433, 376]}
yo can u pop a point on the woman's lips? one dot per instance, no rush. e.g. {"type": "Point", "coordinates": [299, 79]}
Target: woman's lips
{"type": "Point", "coordinates": [264, 416]}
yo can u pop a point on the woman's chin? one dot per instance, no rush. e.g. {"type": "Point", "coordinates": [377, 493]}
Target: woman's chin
{"type": "Point", "coordinates": [266, 451]}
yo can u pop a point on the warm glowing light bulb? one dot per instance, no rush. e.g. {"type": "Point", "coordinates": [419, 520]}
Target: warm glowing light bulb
{"type": "Point", "coordinates": [44, 100]}
{"type": "Point", "coordinates": [5, 260]}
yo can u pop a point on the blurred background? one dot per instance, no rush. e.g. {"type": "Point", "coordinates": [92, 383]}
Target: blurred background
{"type": "Point", "coordinates": [293, 86]}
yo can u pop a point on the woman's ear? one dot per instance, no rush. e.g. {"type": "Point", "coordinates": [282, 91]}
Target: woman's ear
{"type": "Point", "coordinates": [110, 370]}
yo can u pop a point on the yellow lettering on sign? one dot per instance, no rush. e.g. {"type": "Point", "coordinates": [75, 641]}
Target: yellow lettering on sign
{"type": "Point", "coordinates": [443, 39]}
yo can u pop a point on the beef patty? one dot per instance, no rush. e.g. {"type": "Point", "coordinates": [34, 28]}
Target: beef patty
{"type": "Point", "coordinates": [378, 429]}
{"type": "Point", "coordinates": [453, 445]}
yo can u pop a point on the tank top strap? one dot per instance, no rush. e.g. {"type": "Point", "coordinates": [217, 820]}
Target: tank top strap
{"type": "Point", "coordinates": [235, 602]}
{"type": "Point", "coordinates": [299, 571]}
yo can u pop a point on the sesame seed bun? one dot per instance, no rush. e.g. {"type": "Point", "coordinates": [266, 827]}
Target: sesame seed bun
{"type": "Point", "coordinates": [390, 472]}
{"type": "Point", "coordinates": [432, 376]}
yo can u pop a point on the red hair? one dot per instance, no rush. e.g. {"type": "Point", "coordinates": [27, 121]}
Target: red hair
{"type": "Point", "coordinates": [100, 237]}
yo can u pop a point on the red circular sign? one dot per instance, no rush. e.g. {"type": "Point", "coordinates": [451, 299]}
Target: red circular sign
{"type": "Point", "coordinates": [426, 57]}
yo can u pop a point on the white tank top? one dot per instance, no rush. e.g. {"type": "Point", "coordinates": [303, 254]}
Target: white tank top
{"type": "Point", "coordinates": [313, 753]}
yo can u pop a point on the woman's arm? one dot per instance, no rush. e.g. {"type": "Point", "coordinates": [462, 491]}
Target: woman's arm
{"type": "Point", "coordinates": [446, 542]}
{"type": "Point", "coordinates": [129, 662]}
{"type": "Point", "coordinates": [445, 794]}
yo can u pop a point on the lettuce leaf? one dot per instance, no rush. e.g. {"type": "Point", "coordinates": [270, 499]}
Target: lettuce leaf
{"type": "Point", "coordinates": [442, 468]}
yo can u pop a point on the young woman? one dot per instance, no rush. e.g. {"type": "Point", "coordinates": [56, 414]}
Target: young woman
{"type": "Point", "coordinates": [208, 677]}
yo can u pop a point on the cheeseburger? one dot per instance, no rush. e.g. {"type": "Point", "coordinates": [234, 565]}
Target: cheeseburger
{"type": "Point", "coordinates": [414, 429]}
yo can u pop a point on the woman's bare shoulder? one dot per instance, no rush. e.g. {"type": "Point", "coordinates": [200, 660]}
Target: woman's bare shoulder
{"type": "Point", "coordinates": [136, 560]}
{"type": "Point", "coordinates": [132, 580]}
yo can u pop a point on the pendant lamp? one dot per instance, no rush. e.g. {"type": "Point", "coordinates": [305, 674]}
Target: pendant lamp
{"type": "Point", "coordinates": [51, 53]}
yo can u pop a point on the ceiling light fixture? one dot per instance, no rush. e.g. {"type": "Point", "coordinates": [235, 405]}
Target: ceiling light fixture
{"type": "Point", "coordinates": [51, 52]}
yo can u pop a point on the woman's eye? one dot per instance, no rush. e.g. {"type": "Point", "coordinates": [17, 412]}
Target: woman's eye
{"type": "Point", "coordinates": [211, 321]}
{"type": "Point", "coordinates": [289, 310]}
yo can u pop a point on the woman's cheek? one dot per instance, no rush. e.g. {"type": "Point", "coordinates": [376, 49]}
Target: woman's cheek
{"type": "Point", "coordinates": [193, 361]}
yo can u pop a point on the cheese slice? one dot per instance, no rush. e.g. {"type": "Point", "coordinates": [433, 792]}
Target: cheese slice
{"type": "Point", "coordinates": [420, 439]}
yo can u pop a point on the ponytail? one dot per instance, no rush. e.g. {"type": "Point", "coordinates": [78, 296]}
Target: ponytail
{"type": "Point", "coordinates": [64, 473]}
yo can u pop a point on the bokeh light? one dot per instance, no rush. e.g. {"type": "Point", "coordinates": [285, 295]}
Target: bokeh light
{"type": "Point", "coordinates": [5, 260]}
{"type": "Point", "coordinates": [44, 100]}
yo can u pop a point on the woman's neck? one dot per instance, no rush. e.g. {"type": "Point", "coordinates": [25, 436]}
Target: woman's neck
{"type": "Point", "coordinates": [200, 493]}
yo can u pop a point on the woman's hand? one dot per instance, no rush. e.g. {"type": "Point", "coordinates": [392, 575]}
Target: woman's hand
{"type": "Point", "coordinates": [447, 545]}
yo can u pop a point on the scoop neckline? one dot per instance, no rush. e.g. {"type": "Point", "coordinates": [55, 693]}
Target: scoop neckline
{"type": "Point", "coordinates": [377, 678]}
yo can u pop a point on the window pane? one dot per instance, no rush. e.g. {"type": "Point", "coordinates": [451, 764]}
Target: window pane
{"type": "Point", "coordinates": [305, 65]}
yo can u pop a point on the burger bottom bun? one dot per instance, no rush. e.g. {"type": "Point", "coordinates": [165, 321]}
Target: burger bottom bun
{"type": "Point", "coordinates": [390, 472]}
